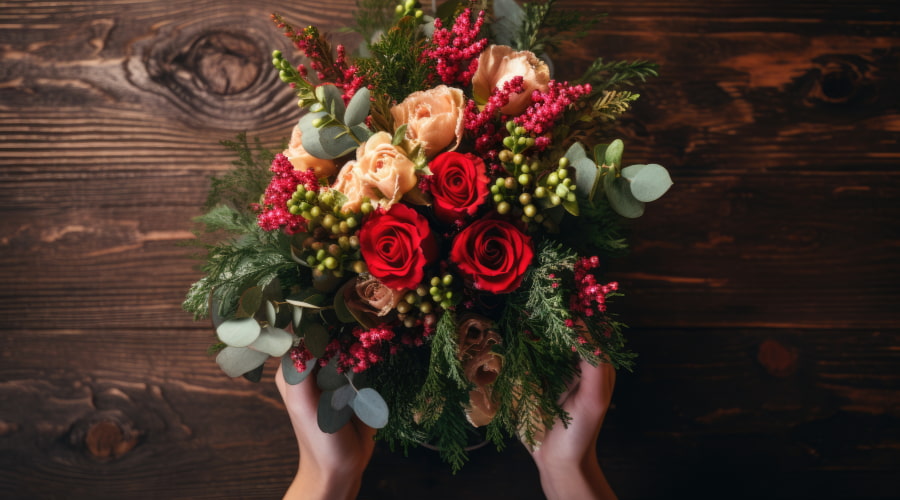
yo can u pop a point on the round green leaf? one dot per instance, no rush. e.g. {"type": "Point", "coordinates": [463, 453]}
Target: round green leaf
{"type": "Point", "coordinates": [329, 379]}
{"type": "Point", "coordinates": [358, 108]}
{"type": "Point", "coordinates": [332, 98]}
{"type": "Point", "coordinates": [289, 370]}
{"type": "Point", "coordinates": [342, 396]}
{"type": "Point", "coordinates": [238, 332]}
{"type": "Point", "coordinates": [371, 408]}
{"type": "Point", "coordinates": [613, 154]}
{"type": "Point", "coordinates": [250, 301]}
{"type": "Point", "coordinates": [648, 182]}
{"type": "Point", "coordinates": [271, 313]}
{"type": "Point", "coordinates": [316, 338]}
{"type": "Point", "coordinates": [329, 419]}
{"type": "Point", "coordinates": [618, 192]}
{"type": "Point", "coordinates": [236, 361]}
{"type": "Point", "coordinates": [273, 341]}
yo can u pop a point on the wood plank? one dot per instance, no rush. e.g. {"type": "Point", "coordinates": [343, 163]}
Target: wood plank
{"type": "Point", "coordinates": [716, 251]}
{"type": "Point", "coordinates": [820, 411]}
{"type": "Point", "coordinates": [762, 290]}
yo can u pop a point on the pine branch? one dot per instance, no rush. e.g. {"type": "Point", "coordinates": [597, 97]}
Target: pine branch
{"type": "Point", "coordinates": [543, 29]}
{"type": "Point", "coordinates": [251, 257]}
{"type": "Point", "coordinates": [394, 67]}
{"type": "Point", "coordinates": [242, 185]}
{"type": "Point", "coordinates": [614, 75]}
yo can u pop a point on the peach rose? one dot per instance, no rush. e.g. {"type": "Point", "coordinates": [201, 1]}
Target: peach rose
{"type": "Point", "coordinates": [301, 160]}
{"type": "Point", "coordinates": [498, 64]}
{"type": "Point", "coordinates": [384, 170]}
{"type": "Point", "coordinates": [433, 118]}
{"type": "Point", "coordinates": [349, 183]}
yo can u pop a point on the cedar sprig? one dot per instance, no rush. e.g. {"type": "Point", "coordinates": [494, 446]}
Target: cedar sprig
{"type": "Point", "coordinates": [241, 186]}
{"type": "Point", "coordinates": [250, 257]}
{"type": "Point", "coordinates": [543, 29]}
{"type": "Point", "coordinates": [394, 67]}
{"type": "Point", "coordinates": [617, 74]}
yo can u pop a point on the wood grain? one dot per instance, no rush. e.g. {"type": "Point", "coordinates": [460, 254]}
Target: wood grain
{"type": "Point", "coordinates": [761, 290]}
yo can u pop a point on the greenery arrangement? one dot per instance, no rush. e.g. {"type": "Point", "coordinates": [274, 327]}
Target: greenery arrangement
{"type": "Point", "coordinates": [429, 242]}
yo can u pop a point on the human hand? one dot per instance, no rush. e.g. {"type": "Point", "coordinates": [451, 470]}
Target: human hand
{"type": "Point", "coordinates": [567, 457]}
{"type": "Point", "coordinates": [331, 465]}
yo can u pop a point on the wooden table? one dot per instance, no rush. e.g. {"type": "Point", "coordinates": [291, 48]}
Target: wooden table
{"type": "Point", "coordinates": [762, 290]}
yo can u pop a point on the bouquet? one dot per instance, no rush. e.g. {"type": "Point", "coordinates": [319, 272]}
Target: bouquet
{"type": "Point", "coordinates": [430, 240]}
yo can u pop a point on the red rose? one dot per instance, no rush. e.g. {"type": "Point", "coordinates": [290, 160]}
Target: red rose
{"type": "Point", "coordinates": [459, 185]}
{"type": "Point", "coordinates": [397, 245]}
{"type": "Point", "coordinates": [494, 254]}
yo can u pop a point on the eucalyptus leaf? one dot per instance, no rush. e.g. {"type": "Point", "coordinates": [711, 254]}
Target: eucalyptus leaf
{"type": "Point", "coordinates": [613, 154]}
{"type": "Point", "coordinates": [255, 375]}
{"type": "Point", "coordinates": [271, 312]}
{"type": "Point", "coordinates": [238, 332]}
{"type": "Point", "coordinates": [618, 192]}
{"type": "Point", "coordinates": [358, 107]}
{"type": "Point", "coordinates": [576, 152]}
{"type": "Point", "coordinates": [648, 182]}
{"type": "Point", "coordinates": [273, 341]}
{"type": "Point", "coordinates": [236, 361]}
{"type": "Point", "coordinates": [316, 338]}
{"type": "Point", "coordinates": [361, 132]}
{"type": "Point", "coordinates": [344, 314]}
{"type": "Point", "coordinates": [329, 379]}
{"type": "Point", "coordinates": [333, 100]}
{"type": "Point", "coordinates": [371, 408]}
{"type": "Point", "coordinates": [290, 373]}
{"type": "Point", "coordinates": [250, 301]}
{"type": "Point", "coordinates": [508, 17]}
{"type": "Point", "coordinates": [329, 419]}
{"type": "Point", "coordinates": [343, 396]}
{"type": "Point", "coordinates": [330, 142]}
{"type": "Point", "coordinates": [214, 315]}
{"type": "Point", "coordinates": [303, 304]}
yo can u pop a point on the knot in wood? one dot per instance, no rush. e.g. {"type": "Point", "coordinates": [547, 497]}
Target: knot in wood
{"type": "Point", "coordinates": [107, 438]}
{"type": "Point", "coordinates": [838, 79]}
{"type": "Point", "coordinates": [778, 359]}
{"type": "Point", "coordinates": [224, 63]}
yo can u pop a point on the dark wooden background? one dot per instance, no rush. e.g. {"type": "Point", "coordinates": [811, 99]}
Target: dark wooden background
{"type": "Point", "coordinates": [762, 290]}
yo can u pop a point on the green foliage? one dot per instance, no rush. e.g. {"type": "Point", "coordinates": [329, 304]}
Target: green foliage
{"type": "Point", "coordinates": [372, 16]}
{"type": "Point", "coordinates": [613, 103]}
{"type": "Point", "coordinates": [538, 360]}
{"type": "Point", "coordinates": [617, 74]}
{"type": "Point", "coordinates": [445, 372]}
{"type": "Point", "coordinates": [250, 257]}
{"type": "Point", "coordinates": [597, 229]}
{"type": "Point", "coordinates": [244, 184]}
{"type": "Point", "coordinates": [394, 67]}
{"type": "Point", "coordinates": [404, 373]}
{"type": "Point", "coordinates": [544, 28]}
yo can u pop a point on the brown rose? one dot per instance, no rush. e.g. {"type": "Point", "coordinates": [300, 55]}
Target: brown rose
{"type": "Point", "coordinates": [433, 118]}
{"type": "Point", "coordinates": [385, 171]}
{"type": "Point", "coordinates": [499, 64]}
{"type": "Point", "coordinates": [480, 365]}
{"type": "Point", "coordinates": [369, 299]}
{"type": "Point", "coordinates": [301, 160]}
